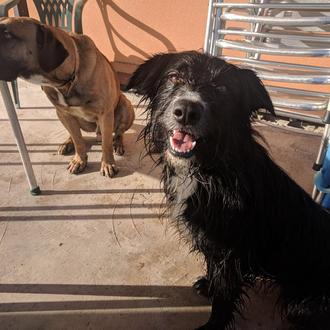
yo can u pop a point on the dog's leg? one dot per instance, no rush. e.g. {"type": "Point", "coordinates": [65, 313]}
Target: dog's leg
{"type": "Point", "coordinates": [118, 144]}
{"type": "Point", "coordinates": [202, 285]}
{"type": "Point", "coordinates": [124, 117]}
{"type": "Point", "coordinates": [79, 161]}
{"type": "Point", "coordinates": [66, 148]}
{"type": "Point", "coordinates": [226, 289]}
{"type": "Point", "coordinates": [106, 122]}
{"type": "Point", "coordinates": [222, 314]}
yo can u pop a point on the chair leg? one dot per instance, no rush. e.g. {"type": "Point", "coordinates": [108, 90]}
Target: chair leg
{"type": "Point", "coordinates": [4, 91]}
{"type": "Point", "coordinates": [316, 195]}
{"type": "Point", "coordinates": [14, 86]}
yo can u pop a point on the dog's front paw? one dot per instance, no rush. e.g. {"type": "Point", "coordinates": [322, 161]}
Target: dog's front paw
{"type": "Point", "coordinates": [77, 164]}
{"type": "Point", "coordinates": [202, 286]}
{"type": "Point", "coordinates": [109, 170]}
{"type": "Point", "coordinates": [66, 148]}
{"type": "Point", "coordinates": [119, 148]}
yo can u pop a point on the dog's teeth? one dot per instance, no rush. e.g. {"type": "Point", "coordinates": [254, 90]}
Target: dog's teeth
{"type": "Point", "coordinates": [171, 142]}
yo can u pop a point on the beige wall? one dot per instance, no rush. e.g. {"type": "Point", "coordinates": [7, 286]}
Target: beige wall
{"type": "Point", "coordinates": [128, 31]}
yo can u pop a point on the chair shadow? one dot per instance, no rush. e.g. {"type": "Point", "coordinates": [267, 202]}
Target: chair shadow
{"type": "Point", "coordinates": [112, 31]}
{"type": "Point", "coordinates": [134, 159]}
{"type": "Point", "coordinates": [115, 306]}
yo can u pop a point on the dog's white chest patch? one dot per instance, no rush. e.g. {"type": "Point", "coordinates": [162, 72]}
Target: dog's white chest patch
{"type": "Point", "coordinates": [40, 80]}
{"type": "Point", "coordinates": [78, 111]}
{"type": "Point", "coordinates": [60, 98]}
{"type": "Point", "coordinates": [37, 79]}
{"type": "Point", "coordinates": [183, 187]}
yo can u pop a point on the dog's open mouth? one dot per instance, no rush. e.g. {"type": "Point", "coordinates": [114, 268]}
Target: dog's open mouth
{"type": "Point", "coordinates": [182, 144]}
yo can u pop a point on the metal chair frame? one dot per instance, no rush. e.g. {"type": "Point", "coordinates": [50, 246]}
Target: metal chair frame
{"type": "Point", "coordinates": [265, 35]}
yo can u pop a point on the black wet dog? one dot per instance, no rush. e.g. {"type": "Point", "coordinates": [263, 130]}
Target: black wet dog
{"type": "Point", "coordinates": [241, 210]}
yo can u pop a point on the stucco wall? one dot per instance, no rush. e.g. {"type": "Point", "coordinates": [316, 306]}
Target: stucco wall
{"type": "Point", "coordinates": [128, 31]}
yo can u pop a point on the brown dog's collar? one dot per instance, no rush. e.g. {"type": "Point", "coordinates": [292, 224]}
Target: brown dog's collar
{"type": "Point", "coordinates": [68, 85]}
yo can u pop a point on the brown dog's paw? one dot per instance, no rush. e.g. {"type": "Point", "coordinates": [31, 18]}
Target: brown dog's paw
{"type": "Point", "coordinates": [77, 164]}
{"type": "Point", "coordinates": [109, 170]}
{"type": "Point", "coordinates": [118, 145]}
{"type": "Point", "coordinates": [66, 148]}
{"type": "Point", "coordinates": [119, 149]}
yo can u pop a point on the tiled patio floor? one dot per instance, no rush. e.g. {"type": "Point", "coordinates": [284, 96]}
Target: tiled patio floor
{"type": "Point", "coordinates": [91, 252]}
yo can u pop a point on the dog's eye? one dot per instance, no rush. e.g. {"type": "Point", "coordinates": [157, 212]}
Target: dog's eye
{"type": "Point", "coordinates": [175, 78]}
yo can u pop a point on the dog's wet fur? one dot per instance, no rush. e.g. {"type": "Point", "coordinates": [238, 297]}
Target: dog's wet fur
{"type": "Point", "coordinates": [241, 211]}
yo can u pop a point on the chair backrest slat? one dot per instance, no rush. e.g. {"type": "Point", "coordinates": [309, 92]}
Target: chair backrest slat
{"type": "Point", "coordinates": [60, 13]}
{"type": "Point", "coordinates": [269, 37]}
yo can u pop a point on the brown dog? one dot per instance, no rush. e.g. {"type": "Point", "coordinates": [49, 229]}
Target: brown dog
{"type": "Point", "coordinates": [78, 80]}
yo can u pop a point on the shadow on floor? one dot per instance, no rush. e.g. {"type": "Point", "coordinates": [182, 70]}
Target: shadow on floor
{"type": "Point", "coordinates": [107, 307]}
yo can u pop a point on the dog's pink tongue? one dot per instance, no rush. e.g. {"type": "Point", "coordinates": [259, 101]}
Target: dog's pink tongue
{"type": "Point", "coordinates": [182, 141]}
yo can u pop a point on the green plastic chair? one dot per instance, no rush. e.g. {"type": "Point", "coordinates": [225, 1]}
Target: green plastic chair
{"type": "Point", "coordinates": [61, 13]}
{"type": "Point", "coordinates": [6, 5]}
{"type": "Point", "coordinates": [66, 14]}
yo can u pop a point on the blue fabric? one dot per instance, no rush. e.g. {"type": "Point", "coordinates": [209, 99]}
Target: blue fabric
{"type": "Point", "coordinates": [326, 201]}
{"type": "Point", "coordinates": [322, 180]}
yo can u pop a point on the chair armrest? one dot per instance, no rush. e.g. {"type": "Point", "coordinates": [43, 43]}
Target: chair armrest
{"type": "Point", "coordinates": [6, 5]}
{"type": "Point", "coordinates": [78, 16]}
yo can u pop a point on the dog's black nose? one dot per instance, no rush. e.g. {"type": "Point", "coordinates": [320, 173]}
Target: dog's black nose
{"type": "Point", "coordinates": [187, 112]}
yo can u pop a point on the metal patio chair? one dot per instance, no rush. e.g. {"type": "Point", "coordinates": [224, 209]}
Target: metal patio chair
{"type": "Point", "coordinates": [270, 37]}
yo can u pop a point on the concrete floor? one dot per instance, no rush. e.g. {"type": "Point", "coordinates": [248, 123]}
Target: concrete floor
{"type": "Point", "coordinates": [91, 252]}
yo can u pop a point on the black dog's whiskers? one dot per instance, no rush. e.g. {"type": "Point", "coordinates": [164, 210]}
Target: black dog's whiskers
{"type": "Point", "coordinates": [253, 224]}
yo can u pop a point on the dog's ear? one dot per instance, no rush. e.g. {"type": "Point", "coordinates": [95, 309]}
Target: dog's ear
{"type": "Point", "coordinates": [51, 52]}
{"type": "Point", "coordinates": [254, 94]}
{"type": "Point", "coordinates": [148, 76]}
